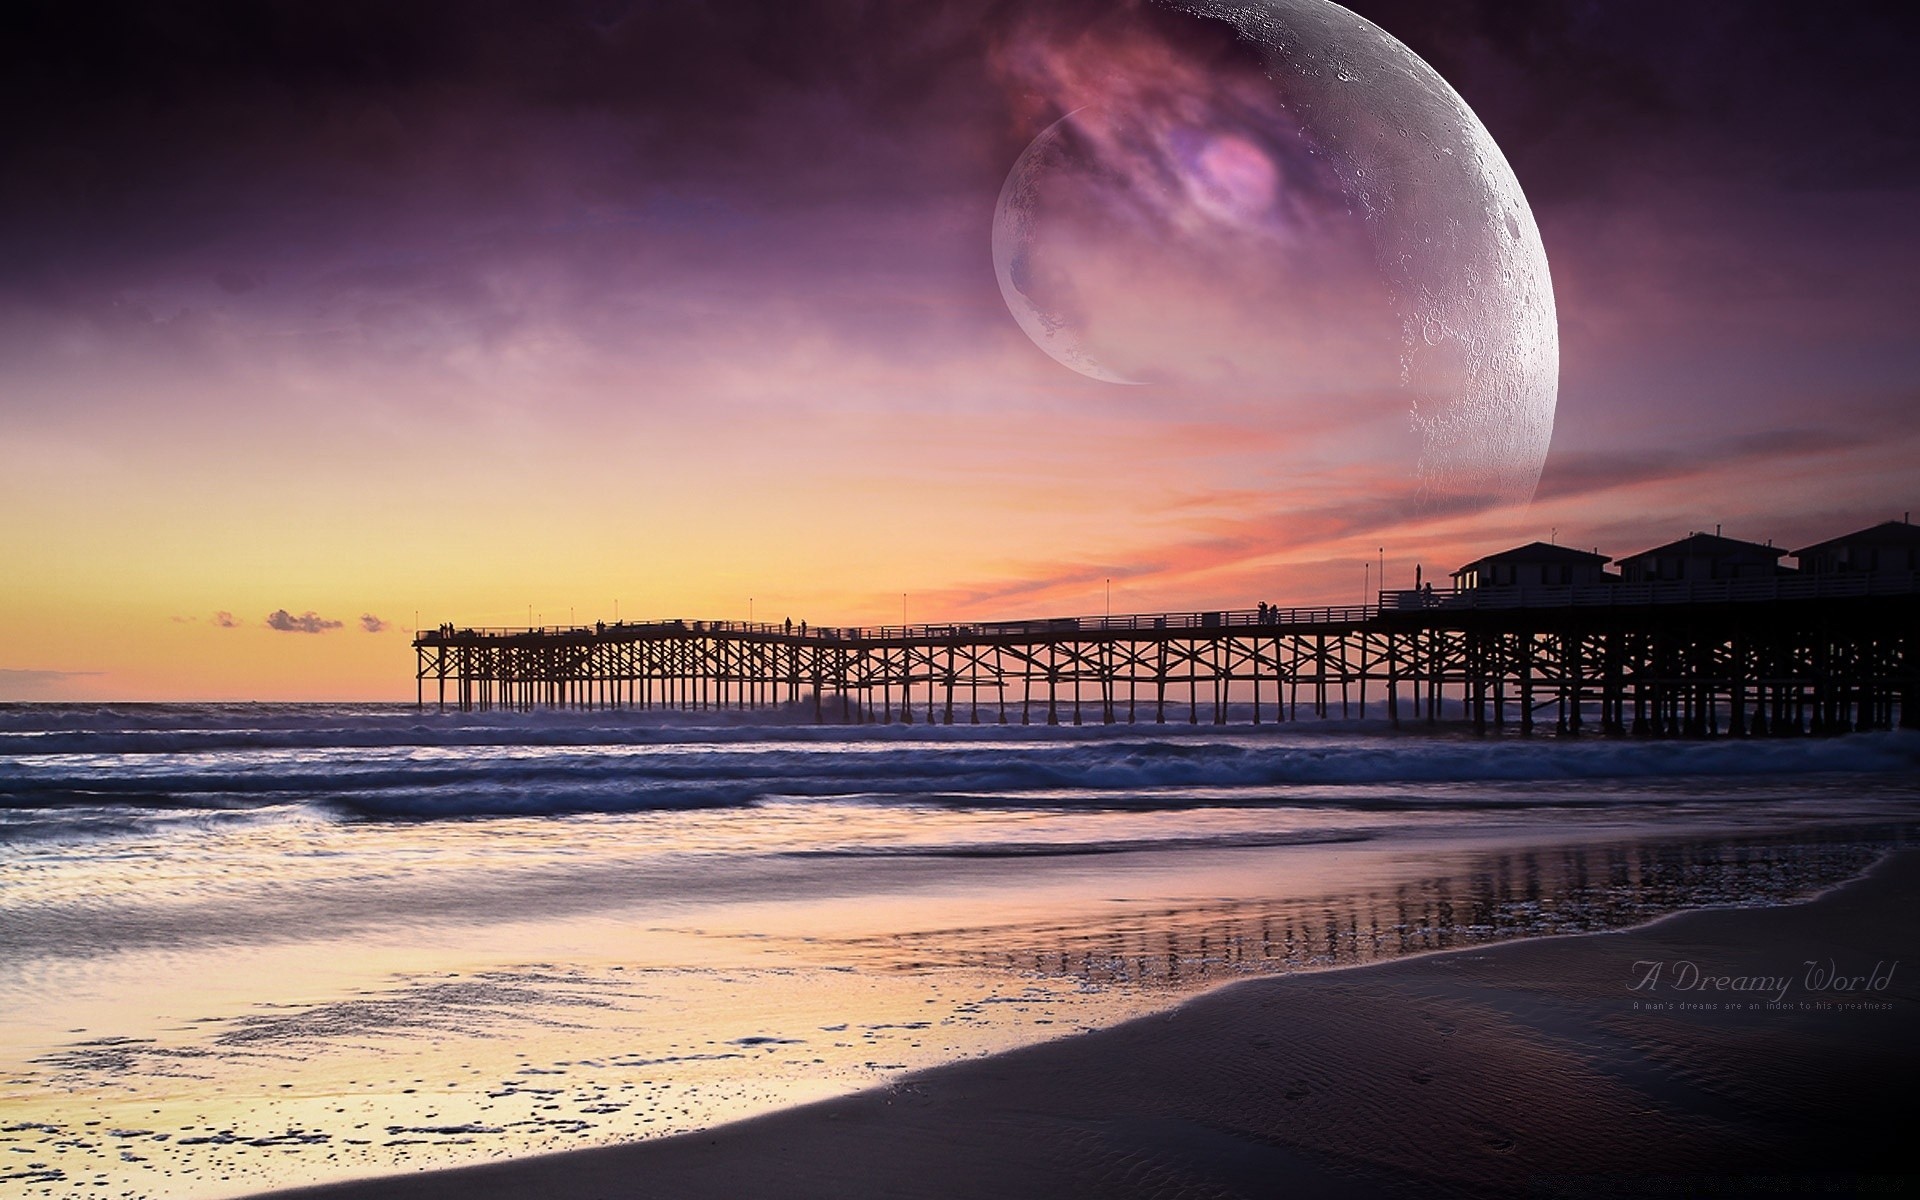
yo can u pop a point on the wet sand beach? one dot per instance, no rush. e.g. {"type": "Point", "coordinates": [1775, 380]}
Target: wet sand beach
{"type": "Point", "coordinates": [265, 948]}
{"type": "Point", "coordinates": [1764, 1051]}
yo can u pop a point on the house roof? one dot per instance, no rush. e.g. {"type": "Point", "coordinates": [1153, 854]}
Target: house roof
{"type": "Point", "coordinates": [1537, 552]}
{"type": "Point", "coordinates": [1708, 545]}
{"type": "Point", "coordinates": [1886, 533]}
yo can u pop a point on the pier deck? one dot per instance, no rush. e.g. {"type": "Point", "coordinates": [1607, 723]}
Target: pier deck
{"type": "Point", "coordinates": [1793, 655]}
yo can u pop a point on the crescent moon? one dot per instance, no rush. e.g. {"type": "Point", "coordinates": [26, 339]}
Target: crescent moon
{"type": "Point", "coordinates": [1050, 330]}
{"type": "Point", "coordinates": [1453, 234]}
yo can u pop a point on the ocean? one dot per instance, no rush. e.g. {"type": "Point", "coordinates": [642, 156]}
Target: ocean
{"type": "Point", "coordinates": [245, 946]}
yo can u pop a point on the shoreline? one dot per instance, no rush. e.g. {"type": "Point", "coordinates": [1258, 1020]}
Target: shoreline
{"type": "Point", "coordinates": [1526, 1067]}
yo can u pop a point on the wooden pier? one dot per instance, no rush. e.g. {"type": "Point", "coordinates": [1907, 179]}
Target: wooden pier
{"type": "Point", "coordinates": [1769, 657]}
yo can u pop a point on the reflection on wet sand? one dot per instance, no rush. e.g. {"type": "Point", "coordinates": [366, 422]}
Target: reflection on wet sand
{"type": "Point", "coordinates": [1488, 897]}
{"type": "Point", "coordinates": [621, 1039]}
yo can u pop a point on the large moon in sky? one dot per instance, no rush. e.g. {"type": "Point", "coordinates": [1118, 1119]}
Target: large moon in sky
{"type": "Point", "coordinates": [1350, 150]}
{"type": "Point", "coordinates": [1014, 229]}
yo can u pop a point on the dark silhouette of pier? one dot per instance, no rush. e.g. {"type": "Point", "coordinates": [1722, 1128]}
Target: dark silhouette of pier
{"type": "Point", "coordinates": [1789, 653]}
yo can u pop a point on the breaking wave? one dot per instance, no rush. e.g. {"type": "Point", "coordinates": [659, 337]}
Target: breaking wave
{"type": "Point", "coordinates": [395, 762]}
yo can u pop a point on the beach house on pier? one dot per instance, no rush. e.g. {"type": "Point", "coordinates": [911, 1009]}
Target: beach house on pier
{"type": "Point", "coordinates": [1889, 548]}
{"type": "Point", "coordinates": [1535, 564]}
{"type": "Point", "coordinates": [1703, 556]}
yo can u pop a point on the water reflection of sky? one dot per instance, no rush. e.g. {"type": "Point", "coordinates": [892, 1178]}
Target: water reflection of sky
{"type": "Point", "coordinates": [503, 987]}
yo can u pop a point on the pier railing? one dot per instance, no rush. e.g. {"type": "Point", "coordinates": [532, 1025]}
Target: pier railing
{"type": "Point", "coordinates": [1323, 615]}
{"type": "Point", "coordinates": [1704, 591]}
{"type": "Point", "coordinates": [1616, 595]}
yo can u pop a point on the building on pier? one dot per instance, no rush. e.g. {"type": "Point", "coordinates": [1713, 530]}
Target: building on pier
{"type": "Point", "coordinates": [1891, 547]}
{"type": "Point", "coordinates": [1700, 557]}
{"type": "Point", "coordinates": [1536, 564]}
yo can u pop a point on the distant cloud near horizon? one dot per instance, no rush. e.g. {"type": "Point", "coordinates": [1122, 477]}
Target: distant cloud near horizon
{"type": "Point", "coordinates": [371, 623]}
{"type": "Point", "coordinates": [22, 684]}
{"type": "Point", "coordinates": [226, 620]}
{"type": "Point", "coordinates": [307, 622]}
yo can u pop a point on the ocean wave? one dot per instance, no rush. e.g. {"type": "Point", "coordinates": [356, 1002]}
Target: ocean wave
{"type": "Point", "coordinates": [560, 766]}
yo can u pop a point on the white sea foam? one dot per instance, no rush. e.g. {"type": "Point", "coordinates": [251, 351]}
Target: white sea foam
{"type": "Point", "coordinates": [395, 762]}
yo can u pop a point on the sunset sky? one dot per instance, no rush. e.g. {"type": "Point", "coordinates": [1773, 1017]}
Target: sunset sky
{"type": "Point", "coordinates": [317, 316]}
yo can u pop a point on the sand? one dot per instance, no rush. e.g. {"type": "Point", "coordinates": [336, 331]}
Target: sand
{"type": "Point", "coordinates": [1530, 1068]}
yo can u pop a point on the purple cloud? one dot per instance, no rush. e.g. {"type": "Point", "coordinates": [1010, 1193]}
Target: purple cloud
{"type": "Point", "coordinates": [371, 623]}
{"type": "Point", "coordinates": [307, 622]}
